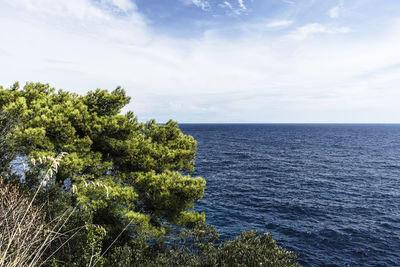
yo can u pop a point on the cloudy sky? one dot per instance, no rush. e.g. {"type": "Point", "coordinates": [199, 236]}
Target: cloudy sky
{"type": "Point", "coordinates": [214, 60]}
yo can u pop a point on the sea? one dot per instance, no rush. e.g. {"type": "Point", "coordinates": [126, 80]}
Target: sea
{"type": "Point", "coordinates": [328, 192]}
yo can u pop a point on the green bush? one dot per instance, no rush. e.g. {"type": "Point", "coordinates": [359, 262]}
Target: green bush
{"type": "Point", "coordinates": [198, 247]}
{"type": "Point", "coordinates": [7, 144]}
{"type": "Point", "coordinates": [124, 181]}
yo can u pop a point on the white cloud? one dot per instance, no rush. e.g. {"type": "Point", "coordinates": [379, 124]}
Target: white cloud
{"type": "Point", "coordinates": [279, 23]}
{"type": "Point", "coordinates": [80, 9]}
{"type": "Point", "coordinates": [241, 4]}
{"type": "Point", "coordinates": [307, 30]}
{"type": "Point", "coordinates": [288, 2]}
{"type": "Point", "coordinates": [203, 4]}
{"type": "Point", "coordinates": [125, 5]}
{"type": "Point", "coordinates": [334, 12]}
{"type": "Point", "coordinates": [78, 46]}
{"type": "Point", "coordinates": [239, 9]}
{"type": "Point", "coordinates": [227, 4]}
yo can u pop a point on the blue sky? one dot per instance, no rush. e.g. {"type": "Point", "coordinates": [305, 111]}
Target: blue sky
{"type": "Point", "coordinates": [214, 60]}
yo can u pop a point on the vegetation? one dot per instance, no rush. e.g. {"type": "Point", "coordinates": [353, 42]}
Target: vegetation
{"type": "Point", "coordinates": [7, 151]}
{"type": "Point", "coordinates": [24, 234]}
{"type": "Point", "coordinates": [123, 179]}
{"type": "Point", "coordinates": [21, 228]}
{"type": "Point", "coordinates": [196, 247]}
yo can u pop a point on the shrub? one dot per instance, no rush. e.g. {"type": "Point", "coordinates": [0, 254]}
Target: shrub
{"type": "Point", "coordinates": [7, 145]}
{"type": "Point", "coordinates": [124, 181]}
{"type": "Point", "coordinates": [253, 249]}
{"type": "Point", "coordinates": [197, 247]}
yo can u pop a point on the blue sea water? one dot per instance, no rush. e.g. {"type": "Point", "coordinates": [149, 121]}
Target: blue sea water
{"type": "Point", "coordinates": [328, 192]}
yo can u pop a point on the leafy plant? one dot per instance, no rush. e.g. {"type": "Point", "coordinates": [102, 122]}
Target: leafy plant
{"type": "Point", "coordinates": [133, 206]}
{"type": "Point", "coordinates": [114, 150]}
{"type": "Point", "coordinates": [7, 144]}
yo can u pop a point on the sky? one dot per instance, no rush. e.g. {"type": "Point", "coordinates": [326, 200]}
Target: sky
{"type": "Point", "coordinates": [214, 61]}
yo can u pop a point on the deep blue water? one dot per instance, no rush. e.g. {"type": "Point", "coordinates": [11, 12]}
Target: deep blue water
{"type": "Point", "coordinates": [330, 193]}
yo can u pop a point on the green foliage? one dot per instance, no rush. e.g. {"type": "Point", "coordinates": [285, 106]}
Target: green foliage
{"type": "Point", "coordinates": [121, 157]}
{"type": "Point", "coordinates": [169, 195]}
{"type": "Point", "coordinates": [113, 149]}
{"type": "Point", "coordinates": [123, 179]}
{"type": "Point", "coordinates": [196, 247]}
{"type": "Point", "coordinates": [7, 145]}
{"type": "Point", "coordinates": [93, 248]}
{"type": "Point", "coordinates": [70, 249]}
{"type": "Point", "coordinates": [253, 249]}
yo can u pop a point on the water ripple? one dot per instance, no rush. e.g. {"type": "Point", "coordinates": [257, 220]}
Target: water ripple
{"type": "Point", "coordinates": [328, 192]}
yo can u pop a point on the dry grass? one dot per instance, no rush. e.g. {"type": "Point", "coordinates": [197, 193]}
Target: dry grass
{"type": "Point", "coordinates": [21, 228]}
{"type": "Point", "coordinates": [24, 235]}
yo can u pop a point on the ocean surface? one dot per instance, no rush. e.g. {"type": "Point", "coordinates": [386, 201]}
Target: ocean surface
{"type": "Point", "coordinates": [328, 192]}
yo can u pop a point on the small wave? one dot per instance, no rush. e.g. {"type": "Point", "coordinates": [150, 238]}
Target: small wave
{"type": "Point", "coordinates": [328, 192]}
